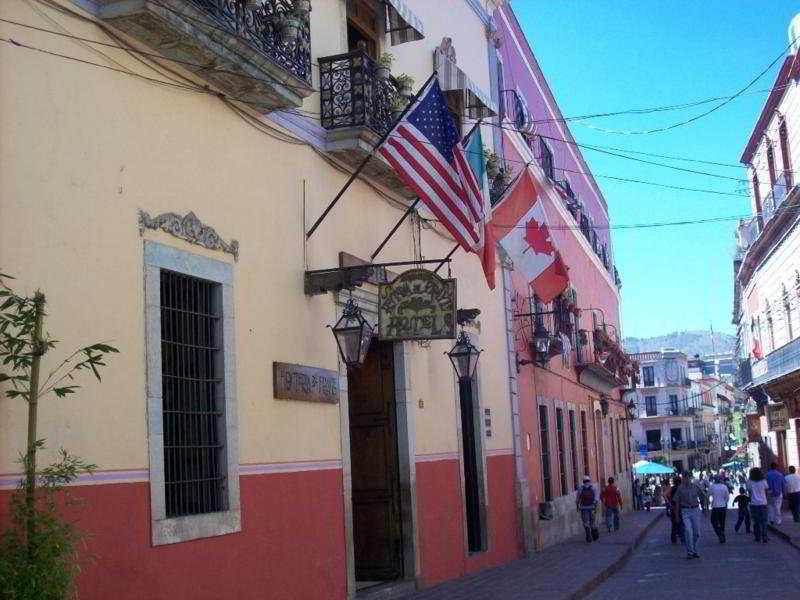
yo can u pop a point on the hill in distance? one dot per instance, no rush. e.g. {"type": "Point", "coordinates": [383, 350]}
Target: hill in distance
{"type": "Point", "coordinates": [688, 342]}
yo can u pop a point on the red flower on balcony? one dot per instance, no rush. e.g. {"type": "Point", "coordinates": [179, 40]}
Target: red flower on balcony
{"type": "Point", "coordinates": [757, 354]}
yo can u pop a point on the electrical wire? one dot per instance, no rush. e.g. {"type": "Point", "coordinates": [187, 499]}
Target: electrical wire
{"type": "Point", "coordinates": [634, 111]}
{"type": "Point", "coordinates": [195, 65]}
{"type": "Point", "coordinates": [701, 115]}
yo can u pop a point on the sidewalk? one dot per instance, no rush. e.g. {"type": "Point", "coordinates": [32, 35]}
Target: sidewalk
{"type": "Point", "coordinates": [566, 571]}
{"type": "Point", "coordinates": [788, 529]}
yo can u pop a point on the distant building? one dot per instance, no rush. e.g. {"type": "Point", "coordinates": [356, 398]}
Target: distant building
{"type": "Point", "coordinates": [766, 308]}
{"type": "Point", "coordinates": [663, 428]}
{"type": "Point", "coordinates": [721, 366]}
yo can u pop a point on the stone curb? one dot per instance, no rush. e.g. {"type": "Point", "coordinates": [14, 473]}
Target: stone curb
{"type": "Point", "coordinates": [610, 570]}
{"type": "Point", "coordinates": [795, 542]}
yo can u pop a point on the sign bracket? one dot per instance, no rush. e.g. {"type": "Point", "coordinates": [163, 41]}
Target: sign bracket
{"type": "Point", "coordinates": [322, 281]}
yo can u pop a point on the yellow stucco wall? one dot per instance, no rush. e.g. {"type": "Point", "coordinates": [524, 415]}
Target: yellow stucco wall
{"type": "Point", "coordinates": [84, 148]}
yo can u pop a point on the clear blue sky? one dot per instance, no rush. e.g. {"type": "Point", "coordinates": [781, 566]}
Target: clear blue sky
{"type": "Point", "coordinates": [603, 55]}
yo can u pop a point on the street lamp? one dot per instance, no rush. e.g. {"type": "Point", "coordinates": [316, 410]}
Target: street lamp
{"type": "Point", "coordinates": [464, 357]}
{"type": "Point", "coordinates": [541, 343]}
{"type": "Point", "coordinates": [353, 334]}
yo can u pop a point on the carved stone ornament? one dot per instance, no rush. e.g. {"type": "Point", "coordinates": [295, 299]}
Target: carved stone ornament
{"type": "Point", "coordinates": [446, 48]}
{"type": "Point", "coordinates": [188, 228]}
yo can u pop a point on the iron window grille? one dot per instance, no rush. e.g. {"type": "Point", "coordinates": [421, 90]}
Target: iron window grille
{"type": "Point", "coordinates": [648, 376]}
{"type": "Point", "coordinates": [585, 442]}
{"type": "Point", "coordinates": [191, 360]}
{"type": "Point", "coordinates": [546, 159]}
{"type": "Point", "coordinates": [543, 431]}
{"type": "Point", "coordinates": [573, 449]}
{"type": "Point", "coordinates": [650, 406]}
{"type": "Point", "coordinates": [562, 466]}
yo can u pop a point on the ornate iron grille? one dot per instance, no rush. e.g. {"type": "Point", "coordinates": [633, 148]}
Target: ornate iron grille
{"type": "Point", "coordinates": [190, 365]}
{"type": "Point", "coordinates": [261, 27]}
{"type": "Point", "coordinates": [353, 95]}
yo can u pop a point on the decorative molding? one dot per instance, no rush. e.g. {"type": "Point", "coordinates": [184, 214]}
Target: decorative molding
{"type": "Point", "coordinates": [447, 49]}
{"type": "Point", "coordinates": [189, 228]}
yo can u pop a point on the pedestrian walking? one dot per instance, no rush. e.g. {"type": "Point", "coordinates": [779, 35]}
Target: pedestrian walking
{"type": "Point", "coordinates": [647, 496]}
{"type": "Point", "coordinates": [586, 503]}
{"type": "Point", "coordinates": [776, 484]}
{"type": "Point", "coordinates": [674, 512]}
{"type": "Point", "coordinates": [719, 507]}
{"type": "Point", "coordinates": [637, 495]}
{"type": "Point", "coordinates": [743, 502]}
{"type": "Point", "coordinates": [757, 488]}
{"type": "Point", "coordinates": [792, 489]}
{"type": "Point", "coordinates": [689, 496]}
{"type": "Point", "coordinates": [612, 501]}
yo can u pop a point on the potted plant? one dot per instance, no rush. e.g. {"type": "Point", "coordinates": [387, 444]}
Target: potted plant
{"type": "Point", "coordinates": [302, 7]}
{"type": "Point", "coordinates": [397, 105]}
{"type": "Point", "coordinates": [492, 163]}
{"type": "Point", "coordinates": [404, 83]}
{"type": "Point", "coordinates": [290, 25]}
{"type": "Point", "coordinates": [384, 66]}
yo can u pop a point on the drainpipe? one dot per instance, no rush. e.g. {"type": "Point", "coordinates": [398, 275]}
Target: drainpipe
{"type": "Point", "coordinates": [522, 485]}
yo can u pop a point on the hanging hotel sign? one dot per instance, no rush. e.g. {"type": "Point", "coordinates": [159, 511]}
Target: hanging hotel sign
{"type": "Point", "coordinates": [299, 382]}
{"type": "Point", "coordinates": [777, 417]}
{"type": "Point", "coordinates": [418, 305]}
{"type": "Point", "coordinates": [753, 428]}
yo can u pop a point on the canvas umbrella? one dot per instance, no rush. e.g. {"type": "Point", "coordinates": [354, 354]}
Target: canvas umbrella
{"type": "Point", "coordinates": [651, 468]}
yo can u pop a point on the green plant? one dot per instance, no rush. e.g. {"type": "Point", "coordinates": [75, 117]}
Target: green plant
{"type": "Point", "coordinates": [385, 60]}
{"type": "Point", "coordinates": [404, 81]}
{"type": "Point", "coordinates": [39, 548]}
{"type": "Point", "coordinates": [398, 103]}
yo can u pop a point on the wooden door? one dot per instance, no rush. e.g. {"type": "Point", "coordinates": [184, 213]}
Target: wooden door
{"type": "Point", "coordinates": [377, 533]}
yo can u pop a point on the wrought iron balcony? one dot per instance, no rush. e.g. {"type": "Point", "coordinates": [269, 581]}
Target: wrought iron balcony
{"type": "Point", "coordinates": [257, 51]}
{"type": "Point", "coordinates": [352, 94]}
{"type": "Point", "coordinates": [654, 446]}
{"type": "Point", "coordinates": [357, 107]}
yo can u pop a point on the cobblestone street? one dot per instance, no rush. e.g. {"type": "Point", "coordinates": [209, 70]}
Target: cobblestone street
{"type": "Point", "coordinates": [738, 568]}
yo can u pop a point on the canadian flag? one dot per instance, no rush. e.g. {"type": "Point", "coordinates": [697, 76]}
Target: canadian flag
{"type": "Point", "coordinates": [519, 225]}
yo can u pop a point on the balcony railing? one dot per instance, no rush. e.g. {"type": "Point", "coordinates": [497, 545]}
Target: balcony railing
{"type": "Point", "coordinates": [654, 446]}
{"type": "Point", "coordinates": [257, 51]}
{"type": "Point", "coordinates": [262, 27]}
{"type": "Point", "coordinates": [352, 94]}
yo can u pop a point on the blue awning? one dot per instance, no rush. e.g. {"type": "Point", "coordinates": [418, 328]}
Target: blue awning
{"type": "Point", "coordinates": [404, 25]}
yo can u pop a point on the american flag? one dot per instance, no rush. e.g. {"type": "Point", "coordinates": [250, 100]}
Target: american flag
{"type": "Point", "coordinates": [424, 150]}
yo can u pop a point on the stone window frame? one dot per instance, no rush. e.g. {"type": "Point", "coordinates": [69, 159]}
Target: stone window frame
{"type": "Point", "coordinates": [181, 529]}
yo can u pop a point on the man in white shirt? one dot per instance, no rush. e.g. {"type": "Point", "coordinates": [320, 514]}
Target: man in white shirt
{"type": "Point", "coordinates": [719, 507]}
{"type": "Point", "coordinates": [792, 489]}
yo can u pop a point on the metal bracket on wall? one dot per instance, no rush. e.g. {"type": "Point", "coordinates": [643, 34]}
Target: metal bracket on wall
{"type": "Point", "coordinates": [322, 281]}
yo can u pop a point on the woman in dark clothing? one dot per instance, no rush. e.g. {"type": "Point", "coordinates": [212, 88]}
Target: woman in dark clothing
{"type": "Point", "coordinates": [673, 511]}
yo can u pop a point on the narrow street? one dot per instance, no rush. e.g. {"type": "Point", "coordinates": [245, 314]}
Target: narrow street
{"type": "Point", "coordinates": [736, 568]}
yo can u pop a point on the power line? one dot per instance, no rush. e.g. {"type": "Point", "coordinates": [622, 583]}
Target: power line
{"type": "Point", "coordinates": [208, 91]}
{"type": "Point", "coordinates": [701, 115]}
{"type": "Point", "coordinates": [647, 110]}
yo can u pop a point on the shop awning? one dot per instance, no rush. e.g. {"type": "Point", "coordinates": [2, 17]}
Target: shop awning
{"type": "Point", "coordinates": [478, 103]}
{"type": "Point", "coordinates": [404, 25]}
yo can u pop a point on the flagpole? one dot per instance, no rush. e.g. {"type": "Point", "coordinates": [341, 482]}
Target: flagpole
{"type": "Point", "coordinates": [366, 159]}
{"type": "Point", "coordinates": [391, 233]}
{"type": "Point", "coordinates": [447, 258]}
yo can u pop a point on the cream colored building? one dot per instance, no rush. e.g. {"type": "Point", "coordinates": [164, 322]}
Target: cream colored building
{"type": "Point", "coordinates": [149, 145]}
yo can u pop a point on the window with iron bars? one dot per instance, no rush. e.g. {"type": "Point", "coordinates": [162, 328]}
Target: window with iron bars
{"type": "Point", "coordinates": [191, 359]}
{"type": "Point", "coordinates": [573, 449]}
{"type": "Point", "coordinates": [562, 464]}
{"type": "Point", "coordinates": [544, 438]}
{"type": "Point", "coordinates": [546, 159]}
{"type": "Point", "coordinates": [585, 444]}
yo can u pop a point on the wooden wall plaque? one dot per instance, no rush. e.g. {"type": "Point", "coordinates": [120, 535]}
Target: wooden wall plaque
{"type": "Point", "coordinates": [309, 384]}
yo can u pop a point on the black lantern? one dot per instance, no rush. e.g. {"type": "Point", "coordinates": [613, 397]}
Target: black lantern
{"type": "Point", "coordinates": [353, 334]}
{"type": "Point", "coordinates": [464, 357]}
{"type": "Point", "coordinates": [541, 344]}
